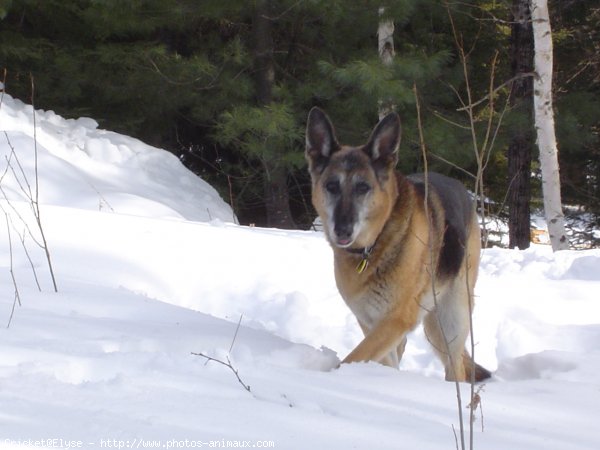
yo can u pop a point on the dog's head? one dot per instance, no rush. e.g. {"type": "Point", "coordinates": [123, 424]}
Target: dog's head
{"type": "Point", "coordinates": [353, 188]}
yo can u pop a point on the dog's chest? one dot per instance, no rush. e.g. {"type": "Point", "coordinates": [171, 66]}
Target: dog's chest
{"type": "Point", "coordinates": [369, 303]}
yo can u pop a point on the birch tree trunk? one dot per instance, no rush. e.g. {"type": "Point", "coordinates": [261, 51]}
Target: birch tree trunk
{"type": "Point", "coordinates": [544, 124]}
{"type": "Point", "coordinates": [385, 37]}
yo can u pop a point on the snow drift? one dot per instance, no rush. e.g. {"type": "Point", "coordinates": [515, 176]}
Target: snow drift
{"type": "Point", "coordinates": [101, 170]}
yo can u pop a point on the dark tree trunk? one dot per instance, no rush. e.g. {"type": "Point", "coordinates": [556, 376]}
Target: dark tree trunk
{"type": "Point", "coordinates": [263, 53]}
{"type": "Point", "coordinates": [521, 143]}
{"type": "Point", "coordinates": [276, 193]}
{"type": "Point", "coordinates": [277, 198]}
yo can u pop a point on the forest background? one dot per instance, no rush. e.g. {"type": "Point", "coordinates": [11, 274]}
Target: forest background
{"type": "Point", "coordinates": [227, 85]}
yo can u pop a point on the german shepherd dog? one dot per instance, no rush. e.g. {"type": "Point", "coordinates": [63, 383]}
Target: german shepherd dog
{"type": "Point", "coordinates": [406, 248]}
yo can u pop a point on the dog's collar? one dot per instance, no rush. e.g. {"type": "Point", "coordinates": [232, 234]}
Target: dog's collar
{"type": "Point", "coordinates": [359, 251]}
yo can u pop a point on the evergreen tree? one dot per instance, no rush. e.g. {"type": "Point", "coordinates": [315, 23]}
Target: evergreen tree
{"type": "Point", "coordinates": [119, 62]}
{"type": "Point", "coordinates": [324, 53]}
{"type": "Point", "coordinates": [576, 33]}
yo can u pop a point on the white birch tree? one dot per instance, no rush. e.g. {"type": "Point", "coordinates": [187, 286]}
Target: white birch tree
{"type": "Point", "coordinates": [385, 37]}
{"type": "Point", "coordinates": [544, 124]}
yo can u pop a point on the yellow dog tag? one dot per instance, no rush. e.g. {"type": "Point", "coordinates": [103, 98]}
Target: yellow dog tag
{"type": "Point", "coordinates": [362, 265]}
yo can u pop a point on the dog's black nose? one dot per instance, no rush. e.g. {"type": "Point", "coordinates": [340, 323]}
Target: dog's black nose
{"type": "Point", "coordinates": [343, 230]}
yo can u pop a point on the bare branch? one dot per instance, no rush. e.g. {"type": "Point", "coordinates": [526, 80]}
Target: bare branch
{"type": "Point", "coordinates": [36, 202]}
{"type": "Point", "coordinates": [17, 299]}
{"type": "Point", "coordinates": [432, 265]}
{"type": "Point", "coordinates": [236, 333]}
{"type": "Point", "coordinates": [226, 364]}
{"type": "Point", "coordinates": [498, 88]}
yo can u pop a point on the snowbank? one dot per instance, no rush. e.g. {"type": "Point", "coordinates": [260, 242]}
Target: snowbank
{"type": "Point", "coordinates": [99, 169]}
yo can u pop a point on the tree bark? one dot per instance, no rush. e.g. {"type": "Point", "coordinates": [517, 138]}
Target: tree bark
{"type": "Point", "coordinates": [276, 194]}
{"type": "Point", "coordinates": [385, 38]}
{"type": "Point", "coordinates": [521, 141]}
{"type": "Point", "coordinates": [544, 124]}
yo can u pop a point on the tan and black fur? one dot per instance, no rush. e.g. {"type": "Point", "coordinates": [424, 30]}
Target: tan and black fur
{"type": "Point", "coordinates": [392, 249]}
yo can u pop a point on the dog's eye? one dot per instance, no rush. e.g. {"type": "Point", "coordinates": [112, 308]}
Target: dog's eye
{"type": "Point", "coordinates": [361, 188]}
{"type": "Point", "coordinates": [333, 187]}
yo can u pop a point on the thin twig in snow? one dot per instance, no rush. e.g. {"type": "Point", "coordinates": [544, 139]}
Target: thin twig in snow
{"type": "Point", "coordinates": [228, 363]}
{"type": "Point", "coordinates": [432, 267]}
{"type": "Point", "coordinates": [17, 299]}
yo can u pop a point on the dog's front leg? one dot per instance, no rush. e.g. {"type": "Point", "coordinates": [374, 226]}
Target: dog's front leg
{"type": "Point", "coordinates": [383, 338]}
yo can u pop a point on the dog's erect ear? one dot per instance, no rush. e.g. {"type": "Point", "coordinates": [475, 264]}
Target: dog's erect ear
{"type": "Point", "coordinates": [320, 140]}
{"type": "Point", "coordinates": [383, 144]}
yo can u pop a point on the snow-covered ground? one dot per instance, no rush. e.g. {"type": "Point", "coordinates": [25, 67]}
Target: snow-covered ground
{"type": "Point", "coordinates": [150, 269]}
